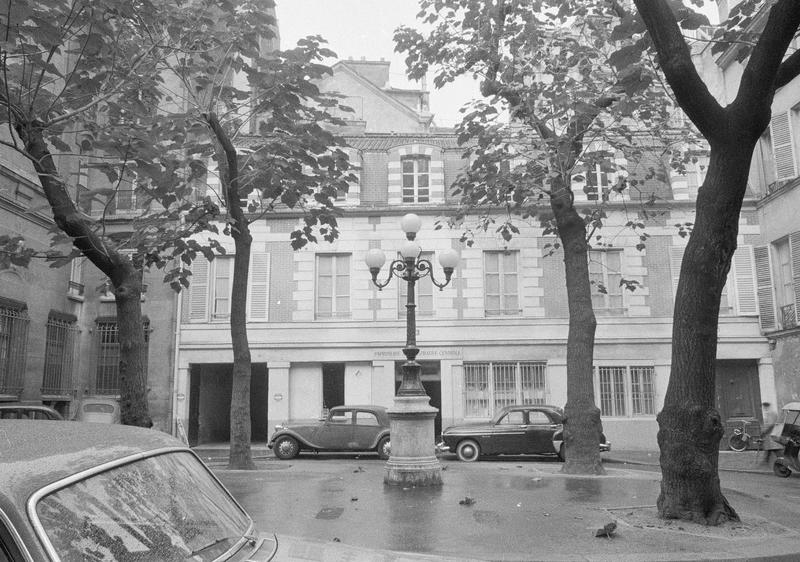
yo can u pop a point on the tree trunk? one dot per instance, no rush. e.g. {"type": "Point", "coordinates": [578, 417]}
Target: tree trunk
{"type": "Point", "coordinates": [582, 424]}
{"type": "Point", "coordinates": [690, 427]}
{"type": "Point", "coordinates": [241, 455]}
{"type": "Point", "coordinates": [118, 268]}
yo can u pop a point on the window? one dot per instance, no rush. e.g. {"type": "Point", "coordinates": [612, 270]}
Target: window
{"type": "Point", "coordinates": [501, 283]}
{"type": "Point", "coordinates": [539, 418]}
{"type": "Point", "coordinates": [333, 286]}
{"type": "Point", "coordinates": [782, 144]}
{"type": "Point", "coordinates": [58, 354]}
{"type": "Point", "coordinates": [209, 295]}
{"type": "Point", "coordinates": [76, 288]}
{"type": "Point", "coordinates": [605, 272]}
{"type": "Point", "coordinates": [626, 391]}
{"type": "Point", "coordinates": [221, 295]}
{"type": "Point", "coordinates": [784, 284]}
{"type": "Point", "coordinates": [342, 416]}
{"type": "Point", "coordinates": [107, 375]}
{"type": "Point", "coordinates": [513, 418]}
{"type": "Point", "coordinates": [416, 179]}
{"type": "Point", "coordinates": [366, 418]}
{"type": "Point", "coordinates": [131, 195]}
{"type": "Point", "coordinates": [13, 343]}
{"type": "Point", "coordinates": [598, 180]}
{"type": "Point", "coordinates": [423, 292]}
{"type": "Point", "coordinates": [489, 387]}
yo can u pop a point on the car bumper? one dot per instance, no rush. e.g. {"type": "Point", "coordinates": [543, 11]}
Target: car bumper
{"type": "Point", "coordinates": [605, 447]}
{"type": "Point", "coordinates": [442, 447]}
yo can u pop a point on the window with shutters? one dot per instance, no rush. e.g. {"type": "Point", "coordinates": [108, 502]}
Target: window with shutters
{"type": "Point", "coordinates": [333, 286]}
{"type": "Point", "coordinates": [782, 144]}
{"type": "Point", "coordinates": [208, 298]}
{"type": "Point", "coordinates": [625, 391]}
{"type": "Point", "coordinates": [605, 273]}
{"type": "Point", "coordinates": [786, 282]}
{"type": "Point", "coordinates": [490, 386]}
{"type": "Point", "coordinates": [423, 292]}
{"type": "Point", "coordinates": [739, 295]}
{"type": "Point", "coordinates": [501, 283]}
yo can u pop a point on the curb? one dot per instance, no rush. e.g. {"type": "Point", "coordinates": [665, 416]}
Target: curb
{"type": "Point", "coordinates": [656, 464]}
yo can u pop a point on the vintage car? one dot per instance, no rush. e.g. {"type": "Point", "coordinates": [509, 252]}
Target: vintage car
{"type": "Point", "coordinates": [71, 492]}
{"type": "Point", "coordinates": [22, 411]}
{"type": "Point", "coordinates": [344, 429]}
{"type": "Point", "coordinates": [98, 410]}
{"type": "Point", "coordinates": [515, 430]}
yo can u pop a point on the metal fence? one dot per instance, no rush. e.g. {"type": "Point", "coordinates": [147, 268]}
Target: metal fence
{"type": "Point", "coordinates": [58, 358]}
{"type": "Point", "coordinates": [13, 344]}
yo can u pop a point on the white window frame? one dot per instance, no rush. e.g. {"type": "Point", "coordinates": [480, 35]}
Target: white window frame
{"type": "Point", "coordinates": [414, 192]}
{"type": "Point", "coordinates": [505, 291]}
{"type": "Point", "coordinates": [484, 393]}
{"type": "Point", "coordinates": [615, 396]}
{"type": "Point", "coordinates": [610, 278]}
{"type": "Point", "coordinates": [335, 296]}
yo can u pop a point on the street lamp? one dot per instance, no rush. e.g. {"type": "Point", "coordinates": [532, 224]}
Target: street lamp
{"type": "Point", "coordinates": [413, 460]}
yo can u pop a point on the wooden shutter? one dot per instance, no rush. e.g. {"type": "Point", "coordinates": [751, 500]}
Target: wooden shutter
{"type": "Point", "coordinates": [198, 290]}
{"type": "Point", "coordinates": [782, 147]}
{"type": "Point", "coordinates": [258, 289]}
{"type": "Point", "coordinates": [794, 249]}
{"type": "Point", "coordinates": [766, 299]}
{"type": "Point", "coordinates": [742, 267]}
{"type": "Point", "coordinates": [675, 259]}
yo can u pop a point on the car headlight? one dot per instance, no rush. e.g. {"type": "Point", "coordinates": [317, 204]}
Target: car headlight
{"type": "Point", "coordinates": [279, 427]}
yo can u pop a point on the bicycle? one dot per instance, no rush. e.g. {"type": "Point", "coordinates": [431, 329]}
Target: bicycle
{"type": "Point", "coordinates": [739, 439]}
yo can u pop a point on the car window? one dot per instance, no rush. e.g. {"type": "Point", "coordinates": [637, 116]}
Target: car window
{"type": "Point", "coordinates": [99, 408]}
{"type": "Point", "coordinates": [166, 507]}
{"type": "Point", "coordinates": [538, 418]}
{"type": "Point", "coordinates": [8, 414]}
{"type": "Point", "coordinates": [342, 416]}
{"type": "Point", "coordinates": [512, 418]}
{"type": "Point", "coordinates": [366, 418]}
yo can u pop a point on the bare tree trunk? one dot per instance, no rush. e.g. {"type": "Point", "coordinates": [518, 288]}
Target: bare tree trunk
{"type": "Point", "coordinates": [126, 279]}
{"type": "Point", "coordinates": [690, 427]}
{"type": "Point", "coordinates": [582, 424]}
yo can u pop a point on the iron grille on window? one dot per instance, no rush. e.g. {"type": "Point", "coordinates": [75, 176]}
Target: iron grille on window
{"type": "Point", "coordinates": [612, 391]}
{"type": "Point", "coordinates": [107, 380]}
{"type": "Point", "coordinates": [643, 391]}
{"type": "Point", "coordinates": [627, 391]}
{"type": "Point", "coordinates": [13, 342]}
{"type": "Point", "coordinates": [488, 387]}
{"type": "Point", "coordinates": [788, 319]}
{"type": "Point", "coordinates": [58, 354]}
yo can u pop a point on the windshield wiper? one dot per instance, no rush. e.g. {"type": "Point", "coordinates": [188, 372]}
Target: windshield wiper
{"type": "Point", "coordinates": [213, 543]}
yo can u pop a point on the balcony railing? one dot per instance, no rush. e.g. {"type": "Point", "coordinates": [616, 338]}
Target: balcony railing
{"type": "Point", "coordinates": [788, 317]}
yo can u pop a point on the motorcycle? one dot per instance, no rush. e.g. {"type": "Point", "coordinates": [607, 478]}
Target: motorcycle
{"type": "Point", "coordinates": [787, 433]}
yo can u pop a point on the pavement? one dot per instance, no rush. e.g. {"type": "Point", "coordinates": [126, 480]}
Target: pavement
{"type": "Point", "coordinates": [511, 509]}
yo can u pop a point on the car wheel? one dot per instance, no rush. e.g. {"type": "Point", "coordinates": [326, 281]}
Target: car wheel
{"type": "Point", "coordinates": [781, 470]}
{"type": "Point", "coordinates": [384, 448]}
{"type": "Point", "coordinates": [286, 447]}
{"type": "Point", "coordinates": [468, 450]}
{"type": "Point", "coordinates": [561, 456]}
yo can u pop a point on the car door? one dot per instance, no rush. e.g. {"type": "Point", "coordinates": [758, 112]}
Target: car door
{"type": "Point", "coordinates": [509, 434]}
{"type": "Point", "coordinates": [365, 429]}
{"type": "Point", "coordinates": [539, 432]}
{"type": "Point", "coordinates": [336, 432]}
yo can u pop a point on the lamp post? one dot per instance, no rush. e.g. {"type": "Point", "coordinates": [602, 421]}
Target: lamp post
{"type": "Point", "coordinates": [413, 459]}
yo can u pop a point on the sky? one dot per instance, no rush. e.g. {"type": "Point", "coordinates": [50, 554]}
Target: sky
{"type": "Point", "coordinates": [365, 28]}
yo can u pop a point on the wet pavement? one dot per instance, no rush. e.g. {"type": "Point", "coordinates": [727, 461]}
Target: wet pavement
{"type": "Point", "coordinates": [337, 508]}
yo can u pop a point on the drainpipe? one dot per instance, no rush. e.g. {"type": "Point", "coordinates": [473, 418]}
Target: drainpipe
{"type": "Point", "coordinates": [176, 355]}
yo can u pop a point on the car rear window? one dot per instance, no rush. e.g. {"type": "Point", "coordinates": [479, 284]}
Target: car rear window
{"type": "Point", "coordinates": [366, 418]}
{"type": "Point", "coordinates": [98, 408]}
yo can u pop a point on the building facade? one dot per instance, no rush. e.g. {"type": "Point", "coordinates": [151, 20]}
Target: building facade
{"type": "Point", "coordinates": [321, 334]}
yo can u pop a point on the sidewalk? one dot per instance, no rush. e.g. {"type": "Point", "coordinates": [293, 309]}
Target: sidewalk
{"type": "Point", "coordinates": [745, 461]}
{"type": "Point", "coordinates": [338, 509]}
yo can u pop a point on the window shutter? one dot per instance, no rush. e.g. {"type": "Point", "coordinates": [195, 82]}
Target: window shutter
{"type": "Point", "coordinates": [675, 259]}
{"type": "Point", "coordinates": [258, 291]}
{"type": "Point", "coordinates": [198, 289]}
{"type": "Point", "coordinates": [766, 300]}
{"type": "Point", "coordinates": [744, 281]}
{"type": "Point", "coordinates": [794, 249]}
{"type": "Point", "coordinates": [782, 146]}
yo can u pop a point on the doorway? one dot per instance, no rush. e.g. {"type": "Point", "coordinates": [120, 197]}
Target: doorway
{"type": "Point", "coordinates": [332, 385]}
{"type": "Point", "coordinates": [432, 383]}
{"type": "Point", "coordinates": [738, 396]}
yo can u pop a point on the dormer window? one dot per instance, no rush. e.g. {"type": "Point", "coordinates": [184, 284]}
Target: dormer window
{"type": "Point", "coordinates": [416, 179]}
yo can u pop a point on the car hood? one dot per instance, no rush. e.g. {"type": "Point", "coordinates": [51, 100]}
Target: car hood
{"type": "Point", "coordinates": [301, 429]}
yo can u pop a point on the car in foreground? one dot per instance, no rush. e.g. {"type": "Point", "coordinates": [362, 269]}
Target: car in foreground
{"type": "Point", "coordinates": [70, 492]}
{"type": "Point", "coordinates": [21, 411]}
{"type": "Point", "coordinates": [344, 429]}
{"type": "Point", "coordinates": [98, 410]}
{"type": "Point", "coordinates": [515, 430]}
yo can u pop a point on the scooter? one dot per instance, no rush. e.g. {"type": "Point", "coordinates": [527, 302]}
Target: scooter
{"type": "Point", "coordinates": [787, 433]}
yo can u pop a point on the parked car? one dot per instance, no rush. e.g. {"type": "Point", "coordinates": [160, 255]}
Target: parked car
{"type": "Point", "coordinates": [514, 430]}
{"type": "Point", "coordinates": [346, 428]}
{"type": "Point", "coordinates": [98, 410]}
{"type": "Point", "coordinates": [20, 411]}
{"type": "Point", "coordinates": [70, 492]}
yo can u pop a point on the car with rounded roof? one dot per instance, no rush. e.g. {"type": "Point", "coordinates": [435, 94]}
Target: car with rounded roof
{"type": "Point", "coordinates": [71, 492]}
{"type": "Point", "coordinates": [360, 428]}
{"type": "Point", "coordinates": [25, 411]}
{"type": "Point", "coordinates": [523, 429]}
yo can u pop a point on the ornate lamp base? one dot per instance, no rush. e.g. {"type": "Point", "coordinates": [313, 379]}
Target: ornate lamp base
{"type": "Point", "coordinates": [413, 459]}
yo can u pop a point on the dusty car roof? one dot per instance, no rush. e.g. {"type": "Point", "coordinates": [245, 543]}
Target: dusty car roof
{"type": "Point", "coordinates": [34, 454]}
